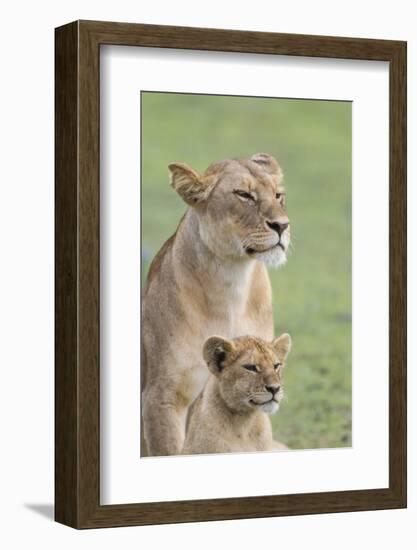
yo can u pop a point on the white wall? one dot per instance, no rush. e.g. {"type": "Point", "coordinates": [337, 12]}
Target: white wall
{"type": "Point", "coordinates": [26, 270]}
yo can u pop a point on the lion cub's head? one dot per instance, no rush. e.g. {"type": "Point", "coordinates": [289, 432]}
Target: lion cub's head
{"type": "Point", "coordinates": [240, 204]}
{"type": "Point", "coordinates": [249, 371]}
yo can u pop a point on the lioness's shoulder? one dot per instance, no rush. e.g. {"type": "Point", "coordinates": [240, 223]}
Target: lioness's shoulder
{"type": "Point", "coordinates": [156, 263]}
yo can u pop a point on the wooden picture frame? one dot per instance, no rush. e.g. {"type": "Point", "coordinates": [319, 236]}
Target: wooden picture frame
{"type": "Point", "coordinates": [77, 373]}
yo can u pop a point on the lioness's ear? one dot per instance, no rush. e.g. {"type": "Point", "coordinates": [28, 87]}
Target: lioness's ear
{"type": "Point", "coordinates": [216, 351]}
{"type": "Point", "coordinates": [189, 184]}
{"type": "Point", "coordinates": [282, 345]}
{"type": "Point", "coordinates": [268, 163]}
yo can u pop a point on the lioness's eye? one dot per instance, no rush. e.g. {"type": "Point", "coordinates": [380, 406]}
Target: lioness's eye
{"type": "Point", "coordinates": [252, 368]}
{"type": "Point", "coordinates": [277, 365]}
{"type": "Point", "coordinates": [279, 195]}
{"type": "Point", "coordinates": [244, 194]}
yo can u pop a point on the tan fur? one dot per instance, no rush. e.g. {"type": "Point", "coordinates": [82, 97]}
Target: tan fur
{"type": "Point", "coordinates": [208, 278]}
{"type": "Point", "coordinates": [230, 415]}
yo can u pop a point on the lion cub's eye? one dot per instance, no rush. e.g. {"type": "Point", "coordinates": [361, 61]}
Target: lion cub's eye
{"type": "Point", "coordinates": [277, 365]}
{"type": "Point", "coordinates": [252, 368]}
{"type": "Point", "coordinates": [244, 195]}
{"type": "Point", "coordinates": [279, 195]}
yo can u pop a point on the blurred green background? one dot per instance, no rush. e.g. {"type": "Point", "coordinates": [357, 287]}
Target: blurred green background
{"type": "Point", "coordinates": [312, 293]}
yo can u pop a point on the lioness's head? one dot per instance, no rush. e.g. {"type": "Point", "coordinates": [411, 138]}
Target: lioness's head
{"type": "Point", "coordinates": [240, 205]}
{"type": "Point", "coordinates": [249, 370]}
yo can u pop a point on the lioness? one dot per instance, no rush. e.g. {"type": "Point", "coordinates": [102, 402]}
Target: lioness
{"type": "Point", "coordinates": [208, 278]}
{"type": "Point", "coordinates": [229, 414]}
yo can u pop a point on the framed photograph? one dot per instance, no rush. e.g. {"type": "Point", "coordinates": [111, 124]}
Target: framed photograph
{"type": "Point", "coordinates": [230, 274]}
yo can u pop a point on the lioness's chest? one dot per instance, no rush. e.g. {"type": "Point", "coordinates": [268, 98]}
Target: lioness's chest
{"type": "Point", "coordinates": [231, 320]}
{"type": "Point", "coordinates": [196, 378]}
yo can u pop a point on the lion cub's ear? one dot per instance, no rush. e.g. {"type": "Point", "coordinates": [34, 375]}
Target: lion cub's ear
{"type": "Point", "coordinates": [189, 184]}
{"type": "Point", "coordinates": [216, 351]}
{"type": "Point", "coordinates": [282, 345]}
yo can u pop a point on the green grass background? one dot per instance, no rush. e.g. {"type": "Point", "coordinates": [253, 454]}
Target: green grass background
{"type": "Point", "coordinates": [312, 293]}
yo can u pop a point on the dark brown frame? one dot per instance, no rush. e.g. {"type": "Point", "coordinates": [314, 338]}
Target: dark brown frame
{"type": "Point", "coordinates": [77, 373]}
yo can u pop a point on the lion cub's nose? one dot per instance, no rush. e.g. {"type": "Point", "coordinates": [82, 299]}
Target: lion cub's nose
{"type": "Point", "coordinates": [278, 227]}
{"type": "Point", "coordinates": [273, 388]}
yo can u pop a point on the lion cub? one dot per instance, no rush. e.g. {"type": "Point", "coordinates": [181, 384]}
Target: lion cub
{"type": "Point", "coordinates": [246, 382]}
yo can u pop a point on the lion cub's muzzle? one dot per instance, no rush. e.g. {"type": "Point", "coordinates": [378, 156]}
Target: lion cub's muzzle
{"type": "Point", "coordinates": [272, 394]}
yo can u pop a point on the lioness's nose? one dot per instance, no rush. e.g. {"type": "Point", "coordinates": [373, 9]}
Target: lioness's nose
{"type": "Point", "coordinates": [273, 388]}
{"type": "Point", "coordinates": [279, 227]}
